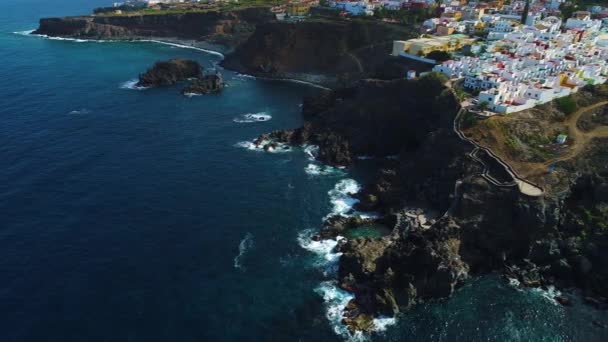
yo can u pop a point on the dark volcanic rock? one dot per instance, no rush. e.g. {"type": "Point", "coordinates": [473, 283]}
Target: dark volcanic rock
{"type": "Point", "coordinates": [374, 118]}
{"type": "Point", "coordinates": [228, 28]}
{"type": "Point", "coordinates": [208, 84]}
{"type": "Point", "coordinates": [170, 72]}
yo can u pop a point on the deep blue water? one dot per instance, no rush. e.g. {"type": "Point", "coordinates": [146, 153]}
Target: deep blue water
{"type": "Point", "coordinates": [122, 211]}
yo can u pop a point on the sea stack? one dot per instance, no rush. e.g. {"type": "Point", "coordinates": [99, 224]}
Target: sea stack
{"type": "Point", "coordinates": [170, 72]}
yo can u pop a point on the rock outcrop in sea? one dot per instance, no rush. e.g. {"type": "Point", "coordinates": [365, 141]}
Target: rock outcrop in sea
{"type": "Point", "coordinates": [166, 73]}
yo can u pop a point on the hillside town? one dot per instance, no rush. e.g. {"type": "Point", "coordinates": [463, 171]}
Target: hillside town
{"type": "Point", "coordinates": [507, 56]}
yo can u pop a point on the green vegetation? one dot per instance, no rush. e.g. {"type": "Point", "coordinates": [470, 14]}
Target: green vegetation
{"type": "Point", "coordinates": [435, 76]}
{"type": "Point", "coordinates": [187, 8]}
{"type": "Point", "coordinates": [483, 105]}
{"type": "Point", "coordinates": [413, 16]}
{"type": "Point", "coordinates": [469, 120]}
{"type": "Point", "coordinates": [596, 219]}
{"type": "Point", "coordinates": [566, 105]}
{"type": "Point", "coordinates": [439, 56]}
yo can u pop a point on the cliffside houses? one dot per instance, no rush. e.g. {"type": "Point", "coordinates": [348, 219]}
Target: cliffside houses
{"type": "Point", "coordinates": [532, 65]}
{"type": "Point", "coordinates": [424, 46]}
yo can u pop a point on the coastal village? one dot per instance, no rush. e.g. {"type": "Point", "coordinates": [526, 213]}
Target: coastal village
{"type": "Point", "coordinates": [506, 56]}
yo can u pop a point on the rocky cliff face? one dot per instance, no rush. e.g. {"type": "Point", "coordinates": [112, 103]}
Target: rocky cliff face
{"type": "Point", "coordinates": [227, 28]}
{"type": "Point", "coordinates": [559, 238]}
{"type": "Point", "coordinates": [332, 50]}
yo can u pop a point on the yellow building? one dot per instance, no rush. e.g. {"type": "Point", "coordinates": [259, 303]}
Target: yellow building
{"type": "Point", "coordinates": [423, 46]}
{"type": "Point", "coordinates": [298, 8]}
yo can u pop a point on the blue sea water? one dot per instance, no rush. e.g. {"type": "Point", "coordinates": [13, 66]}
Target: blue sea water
{"type": "Point", "coordinates": [131, 215]}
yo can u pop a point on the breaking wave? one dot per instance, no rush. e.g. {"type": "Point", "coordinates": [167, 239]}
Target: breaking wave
{"type": "Point", "coordinates": [253, 117]}
{"type": "Point", "coordinates": [132, 85]}
{"type": "Point", "coordinates": [244, 246]}
{"type": "Point", "coordinates": [280, 147]}
{"type": "Point", "coordinates": [80, 111]}
{"type": "Point", "coordinates": [322, 170]}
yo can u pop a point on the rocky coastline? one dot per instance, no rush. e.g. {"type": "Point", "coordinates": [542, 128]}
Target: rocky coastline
{"type": "Point", "coordinates": [558, 239]}
{"type": "Point", "coordinates": [254, 43]}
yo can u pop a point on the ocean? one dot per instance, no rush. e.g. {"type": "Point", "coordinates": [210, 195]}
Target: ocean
{"type": "Point", "coordinates": [145, 215]}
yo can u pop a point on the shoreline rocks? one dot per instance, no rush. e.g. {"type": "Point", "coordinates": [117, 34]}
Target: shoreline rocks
{"type": "Point", "coordinates": [167, 73]}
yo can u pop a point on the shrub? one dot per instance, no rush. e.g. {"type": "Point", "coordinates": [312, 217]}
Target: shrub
{"type": "Point", "coordinates": [566, 105]}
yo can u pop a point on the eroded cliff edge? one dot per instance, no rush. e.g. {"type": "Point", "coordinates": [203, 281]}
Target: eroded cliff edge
{"type": "Point", "coordinates": [227, 29]}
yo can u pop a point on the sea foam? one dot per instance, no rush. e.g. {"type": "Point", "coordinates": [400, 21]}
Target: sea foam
{"type": "Point", "coordinates": [245, 245]}
{"type": "Point", "coordinates": [253, 117]}
{"type": "Point", "coordinates": [131, 85]}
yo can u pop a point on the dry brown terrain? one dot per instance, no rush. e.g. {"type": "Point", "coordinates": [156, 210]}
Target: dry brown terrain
{"type": "Point", "coordinates": [527, 140]}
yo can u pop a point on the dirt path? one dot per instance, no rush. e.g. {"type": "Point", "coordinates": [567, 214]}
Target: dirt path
{"type": "Point", "coordinates": [579, 138]}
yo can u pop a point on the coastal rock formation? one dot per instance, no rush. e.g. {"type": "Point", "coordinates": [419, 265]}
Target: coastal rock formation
{"type": "Point", "coordinates": [559, 238]}
{"type": "Point", "coordinates": [374, 118]}
{"type": "Point", "coordinates": [226, 28]}
{"type": "Point", "coordinates": [207, 84]}
{"type": "Point", "coordinates": [166, 73]}
{"type": "Point", "coordinates": [170, 72]}
{"type": "Point", "coordinates": [330, 52]}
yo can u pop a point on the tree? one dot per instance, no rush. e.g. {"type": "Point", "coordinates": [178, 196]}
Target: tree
{"type": "Point", "coordinates": [483, 105]}
{"type": "Point", "coordinates": [439, 56]}
{"type": "Point", "coordinates": [524, 15]}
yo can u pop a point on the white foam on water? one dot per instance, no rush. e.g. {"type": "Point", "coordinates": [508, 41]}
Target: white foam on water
{"type": "Point", "coordinates": [80, 111]}
{"type": "Point", "coordinates": [382, 323]}
{"type": "Point", "coordinates": [341, 197]}
{"type": "Point", "coordinates": [182, 46]}
{"type": "Point", "coordinates": [131, 85]}
{"type": "Point", "coordinates": [550, 293]}
{"type": "Point", "coordinates": [192, 94]}
{"type": "Point", "coordinates": [253, 117]}
{"type": "Point", "coordinates": [311, 151]}
{"type": "Point", "coordinates": [24, 33]}
{"type": "Point", "coordinates": [281, 147]}
{"type": "Point", "coordinates": [248, 145]}
{"type": "Point", "coordinates": [239, 75]}
{"type": "Point", "coordinates": [245, 245]}
{"type": "Point", "coordinates": [336, 300]}
{"type": "Point", "coordinates": [324, 249]}
{"type": "Point", "coordinates": [322, 170]}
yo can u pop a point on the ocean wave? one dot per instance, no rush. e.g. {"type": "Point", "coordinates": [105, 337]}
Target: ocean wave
{"type": "Point", "coordinates": [324, 250]}
{"type": "Point", "coordinates": [322, 170]}
{"type": "Point", "coordinates": [311, 151]}
{"type": "Point", "coordinates": [192, 94]}
{"type": "Point", "coordinates": [341, 197]}
{"type": "Point", "coordinates": [336, 300]}
{"type": "Point", "coordinates": [245, 245]}
{"type": "Point", "coordinates": [245, 76]}
{"type": "Point", "coordinates": [80, 111]}
{"type": "Point", "coordinates": [79, 40]}
{"type": "Point", "coordinates": [550, 293]}
{"type": "Point", "coordinates": [131, 85]}
{"type": "Point", "coordinates": [280, 147]}
{"type": "Point", "coordinates": [24, 33]}
{"type": "Point", "coordinates": [253, 117]}
{"type": "Point", "coordinates": [182, 46]}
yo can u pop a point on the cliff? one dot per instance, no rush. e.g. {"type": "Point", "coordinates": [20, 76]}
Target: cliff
{"type": "Point", "coordinates": [224, 28]}
{"type": "Point", "coordinates": [559, 238]}
{"type": "Point", "coordinates": [329, 51]}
